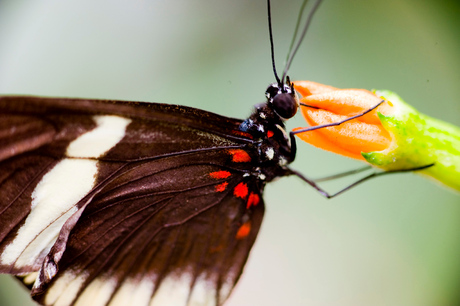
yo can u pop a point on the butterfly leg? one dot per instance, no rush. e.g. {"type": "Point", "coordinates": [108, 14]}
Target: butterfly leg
{"type": "Point", "coordinates": [317, 127]}
{"type": "Point", "coordinates": [375, 174]}
{"type": "Point", "coordinates": [343, 174]}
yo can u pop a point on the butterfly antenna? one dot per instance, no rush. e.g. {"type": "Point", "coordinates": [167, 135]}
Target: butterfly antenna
{"type": "Point", "coordinates": [271, 43]}
{"type": "Point", "coordinates": [292, 52]}
{"type": "Point", "coordinates": [299, 18]}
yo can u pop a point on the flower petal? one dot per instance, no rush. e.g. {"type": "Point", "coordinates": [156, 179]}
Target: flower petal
{"type": "Point", "coordinates": [350, 102]}
{"type": "Point", "coordinates": [317, 139]}
{"type": "Point", "coordinates": [306, 88]}
{"type": "Point", "coordinates": [353, 136]}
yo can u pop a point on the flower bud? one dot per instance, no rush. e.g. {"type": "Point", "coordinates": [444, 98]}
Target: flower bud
{"type": "Point", "coordinates": [392, 137]}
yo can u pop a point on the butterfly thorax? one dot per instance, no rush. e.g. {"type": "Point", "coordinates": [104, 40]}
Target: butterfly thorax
{"type": "Point", "coordinates": [273, 146]}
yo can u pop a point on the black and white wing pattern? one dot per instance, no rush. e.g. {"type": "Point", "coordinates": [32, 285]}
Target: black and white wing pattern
{"type": "Point", "coordinates": [116, 203]}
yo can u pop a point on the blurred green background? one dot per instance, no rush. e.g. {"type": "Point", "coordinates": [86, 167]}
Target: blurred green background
{"type": "Point", "coordinates": [392, 241]}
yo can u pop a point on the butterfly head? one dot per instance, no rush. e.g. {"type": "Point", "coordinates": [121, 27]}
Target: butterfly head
{"type": "Point", "coordinates": [282, 99]}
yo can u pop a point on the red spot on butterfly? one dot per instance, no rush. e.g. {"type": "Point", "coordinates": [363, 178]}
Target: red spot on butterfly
{"type": "Point", "coordinates": [253, 200]}
{"type": "Point", "coordinates": [219, 174]}
{"type": "Point", "coordinates": [243, 231]}
{"type": "Point", "coordinates": [240, 156]}
{"type": "Point", "coordinates": [221, 187]}
{"type": "Point", "coordinates": [270, 134]}
{"type": "Point", "coordinates": [244, 134]}
{"type": "Point", "coordinates": [241, 190]}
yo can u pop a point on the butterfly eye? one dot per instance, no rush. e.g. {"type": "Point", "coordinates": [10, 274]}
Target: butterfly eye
{"type": "Point", "coordinates": [285, 105]}
{"type": "Point", "coordinates": [272, 91]}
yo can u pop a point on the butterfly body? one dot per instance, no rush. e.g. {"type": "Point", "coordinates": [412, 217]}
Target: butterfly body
{"type": "Point", "coordinates": [117, 203]}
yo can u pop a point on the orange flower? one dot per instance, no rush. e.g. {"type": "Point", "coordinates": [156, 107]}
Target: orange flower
{"type": "Point", "coordinates": [392, 137]}
{"type": "Point", "coordinates": [330, 105]}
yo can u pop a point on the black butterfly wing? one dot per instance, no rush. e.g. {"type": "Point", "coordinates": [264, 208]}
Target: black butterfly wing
{"type": "Point", "coordinates": [137, 195]}
{"type": "Point", "coordinates": [166, 243]}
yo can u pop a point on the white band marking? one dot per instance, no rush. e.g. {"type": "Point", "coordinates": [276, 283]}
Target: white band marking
{"type": "Point", "coordinates": [97, 293]}
{"type": "Point", "coordinates": [203, 292]}
{"type": "Point", "coordinates": [109, 131]}
{"type": "Point", "coordinates": [65, 289]}
{"type": "Point", "coordinates": [173, 290]}
{"type": "Point", "coordinates": [134, 292]}
{"type": "Point", "coordinates": [55, 196]}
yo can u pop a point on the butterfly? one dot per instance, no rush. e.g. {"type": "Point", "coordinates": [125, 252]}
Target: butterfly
{"type": "Point", "coordinates": [309, 242]}
{"type": "Point", "coordinates": [129, 203]}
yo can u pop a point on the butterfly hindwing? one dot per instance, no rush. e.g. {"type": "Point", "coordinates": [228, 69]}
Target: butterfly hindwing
{"type": "Point", "coordinates": [124, 195]}
{"type": "Point", "coordinates": [162, 243]}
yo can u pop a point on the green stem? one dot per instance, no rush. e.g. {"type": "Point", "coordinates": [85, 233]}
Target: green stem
{"type": "Point", "coordinates": [419, 140]}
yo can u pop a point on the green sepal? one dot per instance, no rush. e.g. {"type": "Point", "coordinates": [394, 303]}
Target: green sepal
{"type": "Point", "coordinates": [418, 140]}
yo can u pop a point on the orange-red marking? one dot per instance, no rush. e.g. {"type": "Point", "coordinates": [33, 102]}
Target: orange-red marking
{"type": "Point", "coordinates": [241, 133]}
{"type": "Point", "coordinates": [243, 231]}
{"type": "Point", "coordinates": [221, 187]}
{"type": "Point", "coordinates": [253, 200]}
{"type": "Point", "coordinates": [241, 190]}
{"type": "Point", "coordinates": [219, 174]}
{"type": "Point", "coordinates": [240, 156]}
{"type": "Point", "coordinates": [270, 134]}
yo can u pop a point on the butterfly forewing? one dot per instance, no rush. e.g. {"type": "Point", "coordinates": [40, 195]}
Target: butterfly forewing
{"type": "Point", "coordinates": [155, 129]}
{"type": "Point", "coordinates": [112, 199]}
